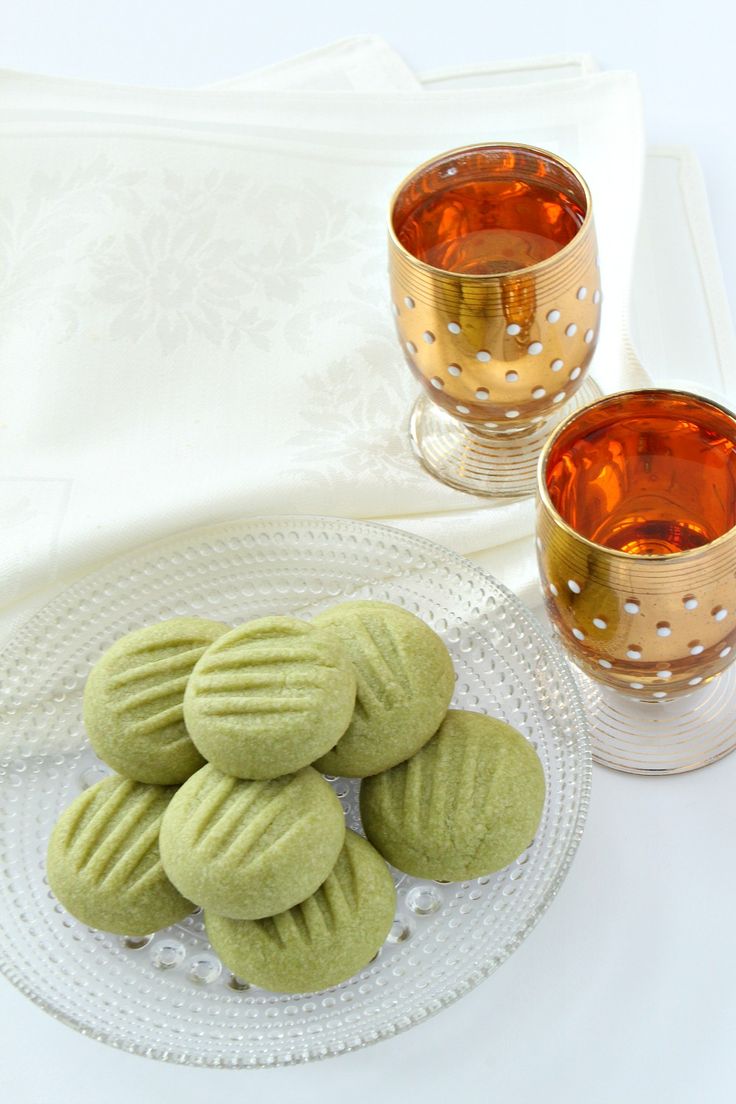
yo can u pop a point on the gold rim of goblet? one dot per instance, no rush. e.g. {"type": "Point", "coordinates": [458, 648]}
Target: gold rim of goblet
{"type": "Point", "coordinates": [641, 557]}
{"type": "Point", "coordinates": [531, 270]}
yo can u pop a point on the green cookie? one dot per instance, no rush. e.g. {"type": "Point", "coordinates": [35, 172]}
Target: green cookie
{"type": "Point", "coordinates": [322, 941]}
{"type": "Point", "coordinates": [405, 683]}
{"type": "Point", "coordinates": [251, 848]}
{"type": "Point", "coordinates": [467, 804]}
{"type": "Point", "coordinates": [103, 860]}
{"type": "Point", "coordinates": [133, 700]}
{"type": "Point", "coordinates": [269, 697]}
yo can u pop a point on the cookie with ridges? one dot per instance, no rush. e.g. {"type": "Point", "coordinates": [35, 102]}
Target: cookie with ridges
{"type": "Point", "coordinates": [320, 942]}
{"type": "Point", "coordinates": [405, 683]}
{"type": "Point", "coordinates": [467, 804]}
{"type": "Point", "coordinates": [250, 848]}
{"type": "Point", "coordinates": [134, 700]}
{"type": "Point", "coordinates": [269, 697]}
{"type": "Point", "coordinates": [103, 860]}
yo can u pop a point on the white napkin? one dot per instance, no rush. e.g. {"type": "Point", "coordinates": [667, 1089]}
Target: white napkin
{"type": "Point", "coordinates": [364, 63]}
{"type": "Point", "coordinates": [196, 323]}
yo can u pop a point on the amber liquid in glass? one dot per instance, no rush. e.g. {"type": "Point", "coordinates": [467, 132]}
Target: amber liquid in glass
{"type": "Point", "coordinates": [647, 483]}
{"type": "Point", "coordinates": [485, 227]}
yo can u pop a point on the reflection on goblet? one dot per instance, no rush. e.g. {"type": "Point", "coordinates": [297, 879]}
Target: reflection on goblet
{"type": "Point", "coordinates": [636, 540]}
{"type": "Point", "coordinates": [496, 293]}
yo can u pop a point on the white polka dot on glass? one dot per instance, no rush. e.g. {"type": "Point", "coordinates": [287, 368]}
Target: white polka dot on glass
{"type": "Point", "coordinates": [719, 613]}
{"type": "Point", "coordinates": [596, 297]}
{"type": "Point", "coordinates": [600, 623]}
{"type": "Point", "coordinates": [558, 397]}
{"type": "Point", "coordinates": [574, 586]}
{"type": "Point", "coordinates": [483, 356]}
{"type": "Point", "coordinates": [571, 330]}
{"type": "Point", "coordinates": [428, 336]}
{"type": "Point", "coordinates": [409, 302]}
{"type": "Point", "coordinates": [482, 393]}
{"type": "Point", "coordinates": [462, 409]}
{"type": "Point", "coordinates": [578, 634]}
{"type": "Point", "coordinates": [631, 605]}
{"type": "Point", "coordinates": [454, 327]}
{"type": "Point", "coordinates": [553, 316]}
{"type": "Point", "coordinates": [575, 373]}
{"type": "Point", "coordinates": [605, 663]}
{"type": "Point", "coordinates": [582, 292]}
{"type": "Point", "coordinates": [664, 629]}
{"type": "Point", "coordinates": [512, 330]}
{"type": "Point", "coordinates": [589, 335]}
{"type": "Point", "coordinates": [437, 383]}
{"type": "Point", "coordinates": [512, 413]}
{"type": "Point", "coordinates": [556, 365]}
{"type": "Point", "coordinates": [512, 377]}
{"type": "Point", "coordinates": [690, 602]}
{"type": "Point", "coordinates": [454, 370]}
{"type": "Point", "coordinates": [535, 348]}
{"type": "Point", "coordinates": [695, 647]}
{"type": "Point", "coordinates": [411, 346]}
{"type": "Point", "coordinates": [538, 393]}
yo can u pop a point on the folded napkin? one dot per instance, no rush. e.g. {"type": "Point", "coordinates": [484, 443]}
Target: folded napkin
{"type": "Point", "coordinates": [364, 63]}
{"type": "Point", "coordinates": [196, 322]}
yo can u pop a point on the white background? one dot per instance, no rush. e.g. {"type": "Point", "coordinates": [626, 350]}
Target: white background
{"type": "Point", "coordinates": [627, 990]}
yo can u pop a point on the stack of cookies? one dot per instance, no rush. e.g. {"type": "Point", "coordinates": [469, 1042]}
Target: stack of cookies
{"type": "Point", "coordinates": [219, 738]}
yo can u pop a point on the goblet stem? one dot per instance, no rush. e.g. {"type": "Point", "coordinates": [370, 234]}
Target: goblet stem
{"type": "Point", "coordinates": [486, 432]}
{"type": "Point", "coordinates": [660, 738]}
{"type": "Point", "coordinates": [496, 462]}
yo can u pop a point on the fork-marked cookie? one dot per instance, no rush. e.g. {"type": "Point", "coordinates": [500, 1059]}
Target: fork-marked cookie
{"type": "Point", "coordinates": [134, 700]}
{"type": "Point", "coordinates": [269, 697]}
{"type": "Point", "coordinates": [322, 941]}
{"type": "Point", "coordinates": [250, 848]}
{"type": "Point", "coordinates": [104, 864]}
{"type": "Point", "coordinates": [467, 804]}
{"type": "Point", "coordinates": [405, 683]}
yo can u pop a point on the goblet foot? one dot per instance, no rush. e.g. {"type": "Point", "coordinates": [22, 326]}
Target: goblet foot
{"type": "Point", "coordinates": [668, 737]}
{"type": "Point", "coordinates": [483, 461]}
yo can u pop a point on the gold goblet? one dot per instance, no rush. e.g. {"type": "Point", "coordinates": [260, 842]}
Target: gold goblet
{"type": "Point", "coordinates": [636, 541]}
{"type": "Point", "coordinates": [497, 297]}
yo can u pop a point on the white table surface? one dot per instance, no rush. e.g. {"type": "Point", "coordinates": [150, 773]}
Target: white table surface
{"type": "Point", "coordinates": [627, 989]}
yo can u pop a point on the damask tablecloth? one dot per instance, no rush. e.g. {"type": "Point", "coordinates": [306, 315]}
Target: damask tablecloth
{"type": "Point", "coordinates": [195, 322]}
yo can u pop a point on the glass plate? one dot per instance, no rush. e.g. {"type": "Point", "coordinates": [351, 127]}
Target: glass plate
{"type": "Point", "coordinates": [167, 996]}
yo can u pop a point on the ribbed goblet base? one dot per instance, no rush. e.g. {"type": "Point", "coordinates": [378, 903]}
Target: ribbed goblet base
{"type": "Point", "coordinates": [496, 463]}
{"type": "Point", "coordinates": [669, 737]}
